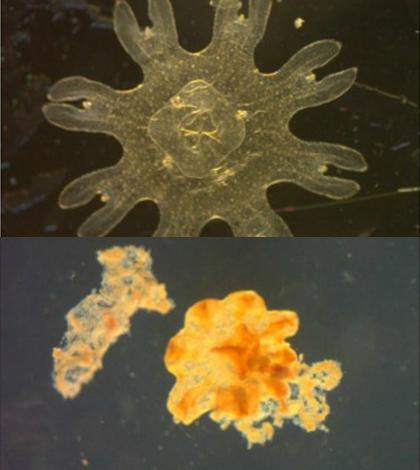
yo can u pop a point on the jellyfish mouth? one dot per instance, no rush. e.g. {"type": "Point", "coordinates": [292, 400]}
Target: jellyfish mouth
{"type": "Point", "coordinates": [198, 127]}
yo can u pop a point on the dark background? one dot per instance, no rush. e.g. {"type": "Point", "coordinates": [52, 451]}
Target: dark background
{"type": "Point", "coordinates": [357, 302]}
{"type": "Point", "coordinates": [45, 40]}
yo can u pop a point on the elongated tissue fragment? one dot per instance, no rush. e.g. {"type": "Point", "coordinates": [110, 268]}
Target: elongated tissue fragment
{"type": "Point", "coordinates": [128, 285]}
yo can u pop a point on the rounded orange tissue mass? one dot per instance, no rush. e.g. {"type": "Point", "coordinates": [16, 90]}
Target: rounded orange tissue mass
{"type": "Point", "coordinates": [232, 360]}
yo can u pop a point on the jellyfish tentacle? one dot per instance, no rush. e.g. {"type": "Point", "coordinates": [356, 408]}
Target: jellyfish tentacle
{"type": "Point", "coordinates": [85, 188]}
{"type": "Point", "coordinates": [101, 222]}
{"type": "Point", "coordinates": [345, 158]}
{"type": "Point", "coordinates": [97, 111]}
{"type": "Point", "coordinates": [329, 186]}
{"type": "Point", "coordinates": [96, 118]}
{"type": "Point", "coordinates": [231, 27]}
{"type": "Point", "coordinates": [314, 157]}
{"type": "Point", "coordinates": [309, 58]}
{"type": "Point", "coordinates": [162, 16]}
{"type": "Point", "coordinates": [143, 45]}
{"type": "Point", "coordinates": [328, 89]}
{"type": "Point", "coordinates": [226, 14]}
{"type": "Point", "coordinates": [98, 101]}
{"type": "Point", "coordinates": [76, 88]}
{"type": "Point", "coordinates": [259, 11]}
{"type": "Point", "coordinates": [128, 32]}
{"type": "Point", "coordinates": [325, 153]}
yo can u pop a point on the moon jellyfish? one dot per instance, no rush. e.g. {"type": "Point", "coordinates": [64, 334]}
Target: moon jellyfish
{"type": "Point", "coordinates": [205, 134]}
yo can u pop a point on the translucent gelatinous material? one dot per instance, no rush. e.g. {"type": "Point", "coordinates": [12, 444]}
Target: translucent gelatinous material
{"type": "Point", "coordinates": [231, 360]}
{"type": "Point", "coordinates": [206, 133]}
{"type": "Point", "coordinates": [198, 128]}
{"type": "Point", "coordinates": [102, 317]}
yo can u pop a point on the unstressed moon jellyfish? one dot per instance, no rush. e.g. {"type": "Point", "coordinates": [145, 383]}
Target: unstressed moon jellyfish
{"type": "Point", "coordinates": [232, 360]}
{"type": "Point", "coordinates": [205, 134]}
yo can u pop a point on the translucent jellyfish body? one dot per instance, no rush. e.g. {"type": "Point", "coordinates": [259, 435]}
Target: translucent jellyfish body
{"type": "Point", "coordinates": [206, 133]}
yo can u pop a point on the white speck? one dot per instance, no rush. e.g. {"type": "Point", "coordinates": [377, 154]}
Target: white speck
{"type": "Point", "coordinates": [299, 22]}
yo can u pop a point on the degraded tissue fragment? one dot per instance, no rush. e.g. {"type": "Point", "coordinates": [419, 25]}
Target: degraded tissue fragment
{"type": "Point", "coordinates": [232, 360]}
{"type": "Point", "coordinates": [97, 322]}
{"type": "Point", "coordinates": [206, 133]}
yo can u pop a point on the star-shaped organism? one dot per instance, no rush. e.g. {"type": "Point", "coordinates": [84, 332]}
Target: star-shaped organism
{"type": "Point", "coordinates": [205, 134]}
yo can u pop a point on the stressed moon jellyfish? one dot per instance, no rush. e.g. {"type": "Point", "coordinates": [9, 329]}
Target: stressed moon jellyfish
{"type": "Point", "coordinates": [232, 360]}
